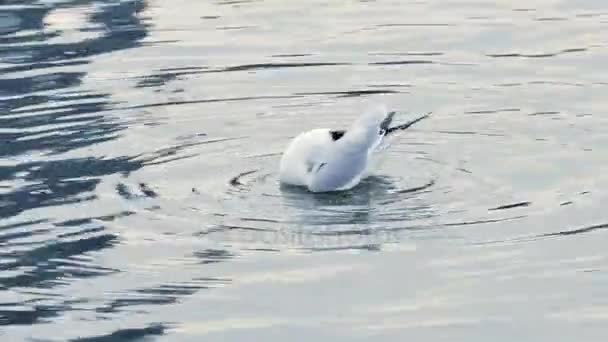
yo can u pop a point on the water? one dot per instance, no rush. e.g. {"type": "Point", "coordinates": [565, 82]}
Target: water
{"type": "Point", "coordinates": [139, 149]}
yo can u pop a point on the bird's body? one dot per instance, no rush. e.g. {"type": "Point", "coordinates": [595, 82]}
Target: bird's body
{"type": "Point", "coordinates": [326, 160]}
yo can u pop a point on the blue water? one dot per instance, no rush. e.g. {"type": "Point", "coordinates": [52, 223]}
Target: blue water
{"type": "Point", "coordinates": [139, 195]}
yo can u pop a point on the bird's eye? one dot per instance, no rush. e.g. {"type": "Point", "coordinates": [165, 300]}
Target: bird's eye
{"type": "Point", "coordinates": [382, 131]}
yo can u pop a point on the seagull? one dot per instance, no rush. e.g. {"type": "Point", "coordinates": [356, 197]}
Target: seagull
{"type": "Point", "coordinates": [326, 160]}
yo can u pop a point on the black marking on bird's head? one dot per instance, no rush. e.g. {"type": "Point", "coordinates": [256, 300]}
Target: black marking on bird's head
{"type": "Point", "coordinates": [336, 135]}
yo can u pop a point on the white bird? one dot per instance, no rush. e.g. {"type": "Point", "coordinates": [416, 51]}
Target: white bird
{"type": "Point", "coordinates": [325, 160]}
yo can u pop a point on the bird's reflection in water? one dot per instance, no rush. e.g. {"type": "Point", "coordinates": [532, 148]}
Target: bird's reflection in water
{"type": "Point", "coordinates": [364, 204]}
{"type": "Point", "coordinates": [365, 217]}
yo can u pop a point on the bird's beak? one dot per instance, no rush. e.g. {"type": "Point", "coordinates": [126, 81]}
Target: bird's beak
{"type": "Point", "coordinates": [387, 121]}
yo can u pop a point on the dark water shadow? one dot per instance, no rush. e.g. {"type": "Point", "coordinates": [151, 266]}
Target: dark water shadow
{"type": "Point", "coordinates": [165, 294]}
{"type": "Point", "coordinates": [537, 55]}
{"type": "Point", "coordinates": [121, 27]}
{"type": "Point", "coordinates": [554, 235]}
{"type": "Point", "coordinates": [46, 115]}
{"type": "Point", "coordinates": [128, 335]}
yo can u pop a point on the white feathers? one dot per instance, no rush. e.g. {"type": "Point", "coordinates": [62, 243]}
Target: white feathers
{"type": "Point", "coordinates": [302, 154]}
{"type": "Point", "coordinates": [325, 160]}
{"type": "Point", "coordinates": [365, 133]}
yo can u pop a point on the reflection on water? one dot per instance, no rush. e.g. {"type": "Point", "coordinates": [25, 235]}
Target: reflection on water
{"type": "Point", "coordinates": [367, 203]}
{"type": "Point", "coordinates": [43, 120]}
{"type": "Point", "coordinates": [139, 142]}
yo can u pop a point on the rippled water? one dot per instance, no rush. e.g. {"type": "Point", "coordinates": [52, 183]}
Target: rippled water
{"type": "Point", "coordinates": [139, 196]}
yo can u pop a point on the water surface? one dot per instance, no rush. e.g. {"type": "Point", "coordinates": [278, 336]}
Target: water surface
{"type": "Point", "coordinates": [139, 195]}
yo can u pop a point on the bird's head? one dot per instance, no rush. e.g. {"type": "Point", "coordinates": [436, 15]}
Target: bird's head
{"type": "Point", "coordinates": [369, 129]}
